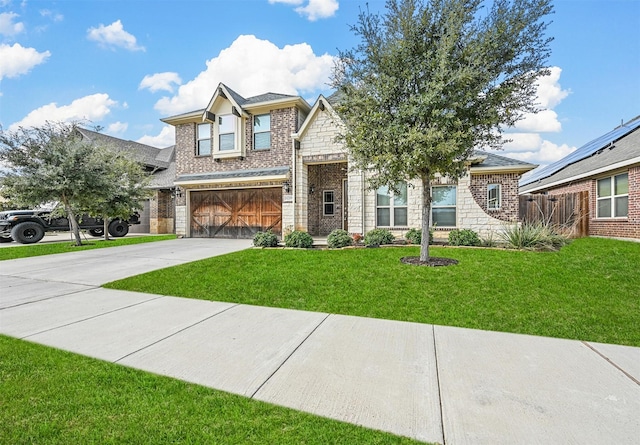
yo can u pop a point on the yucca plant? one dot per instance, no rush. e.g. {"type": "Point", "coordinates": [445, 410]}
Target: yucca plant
{"type": "Point", "coordinates": [533, 236]}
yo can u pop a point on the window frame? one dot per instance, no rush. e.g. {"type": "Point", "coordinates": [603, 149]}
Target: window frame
{"type": "Point", "coordinates": [199, 140]}
{"type": "Point", "coordinates": [497, 199]}
{"type": "Point", "coordinates": [234, 125]}
{"type": "Point", "coordinates": [392, 206]}
{"type": "Point", "coordinates": [612, 197]}
{"type": "Point", "coordinates": [326, 202]}
{"type": "Point", "coordinates": [255, 133]}
{"type": "Point", "coordinates": [449, 206]}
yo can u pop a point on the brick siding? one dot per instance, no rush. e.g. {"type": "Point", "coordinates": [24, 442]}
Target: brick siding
{"type": "Point", "coordinates": [610, 227]}
{"type": "Point", "coordinates": [325, 177]}
{"type": "Point", "coordinates": [284, 122]}
{"type": "Point", "coordinates": [509, 200]}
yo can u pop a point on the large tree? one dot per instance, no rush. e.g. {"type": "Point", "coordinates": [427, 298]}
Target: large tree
{"type": "Point", "coordinates": [432, 80]}
{"type": "Point", "coordinates": [54, 164]}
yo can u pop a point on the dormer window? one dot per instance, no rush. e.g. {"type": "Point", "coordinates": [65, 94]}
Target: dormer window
{"type": "Point", "coordinates": [262, 132]}
{"type": "Point", "coordinates": [227, 132]}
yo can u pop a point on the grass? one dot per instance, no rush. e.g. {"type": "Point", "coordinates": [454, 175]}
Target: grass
{"type": "Point", "coordinates": [53, 397]}
{"type": "Point", "coordinates": [14, 252]}
{"type": "Point", "coordinates": [588, 290]}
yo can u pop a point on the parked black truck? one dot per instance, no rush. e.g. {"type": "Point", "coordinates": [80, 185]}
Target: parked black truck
{"type": "Point", "coordinates": [29, 226]}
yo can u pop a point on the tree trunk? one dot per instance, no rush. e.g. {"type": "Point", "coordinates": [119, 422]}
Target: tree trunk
{"type": "Point", "coordinates": [74, 224]}
{"type": "Point", "coordinates": [426, 216]}
{"type": "Point", "coordinates": [105, 227]}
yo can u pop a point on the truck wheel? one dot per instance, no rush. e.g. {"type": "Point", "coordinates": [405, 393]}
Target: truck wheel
{"type": "Point", "coordinates": [27, 232]}
{"type": "Point", "coordinates": [118, 228]}
{"type": "Point", "coordinates": [5, 239]}
{"type": "Point", "coordinates": [96, 232]}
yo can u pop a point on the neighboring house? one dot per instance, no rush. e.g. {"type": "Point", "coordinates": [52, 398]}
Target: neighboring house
{"type": "Point", "coordinates": [158, 213]}
{"type": "Point", "coordinates": [272, 162]}
{"type": "Point", "coordinates": [608, 168]}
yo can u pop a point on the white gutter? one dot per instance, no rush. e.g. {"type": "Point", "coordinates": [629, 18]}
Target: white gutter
{"type": "Point", "coordinates": [611, 167]}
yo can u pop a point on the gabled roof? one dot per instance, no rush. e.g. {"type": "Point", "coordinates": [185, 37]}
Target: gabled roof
{"type": "Point", "coordinates": [244, 106]}
{"type": "Point", "coordinates": [611, 149]}
{"type": "Point", "coordinates": [147, 155]}
{"type": "Point", "coordinates": [321, 104]}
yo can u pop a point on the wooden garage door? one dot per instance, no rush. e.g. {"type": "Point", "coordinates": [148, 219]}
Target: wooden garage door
{"type": "Point", "coordinates": [235, 213]}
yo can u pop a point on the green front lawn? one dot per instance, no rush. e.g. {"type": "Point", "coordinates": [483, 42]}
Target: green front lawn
{"type": "Point", "coordinates": [49, 396]}
{"type": "Point", "coordinates": [29, 250]}
{"type": "Point", "coordinates": [589, 290]}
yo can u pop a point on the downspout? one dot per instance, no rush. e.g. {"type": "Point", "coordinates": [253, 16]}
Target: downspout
{"type": "Point", "coordinates": [294, 137]}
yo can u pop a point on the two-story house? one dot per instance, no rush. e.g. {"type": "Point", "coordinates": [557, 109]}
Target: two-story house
{"type": "Point", "coordinates": [272, 162]}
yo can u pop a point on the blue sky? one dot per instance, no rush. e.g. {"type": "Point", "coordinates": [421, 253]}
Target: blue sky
{"type": "Point", "coordinates": [125, 64]}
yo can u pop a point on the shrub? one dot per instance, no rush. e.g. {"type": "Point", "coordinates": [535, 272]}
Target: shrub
{"type": "Point", "coordinates": [339, 238]}
{"type": "Point", "coordinates": [533, 236]}
{"type": "Point", "coordinates": [378, 237]}
{"type": "Point", "coordinates": [265, 239]}
{"type": "Point", "coordinates": [464, 237]}
{"type": "Point", "coordinates": [298, 239]}
{"type": "Point", "coordinates": [414, 236]}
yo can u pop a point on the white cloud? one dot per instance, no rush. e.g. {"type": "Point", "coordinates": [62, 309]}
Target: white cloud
{"type": "Point", "coordinates": [288, 70]}
{"type": "Point", "coordinates": [549, 91]}
{"type": "Point", "coordinates": [527, 144]}
{"type": "Point", "coordinates": [318, 9]}
{"type": "Point", "coordinates": [17, 60]}
{"type": "Point", "coordinates": [117, 128]}
{"type": "Point", "coordinates": [314, 9]}
{"type": "Point", "coordinates": [545, 121]}
{"type": "Point", "coordinates": [7, 25]}
{"type": "Point", "coordinates": [91, 108]}
{"type": "Point", "coordinates": [166, 138]}
{"type": "Point", "coordinates": [160, 81]}
{"type": "Point", "coordinates": [55, 16]}
{"type": "Point", "coordinates": [114, 36]}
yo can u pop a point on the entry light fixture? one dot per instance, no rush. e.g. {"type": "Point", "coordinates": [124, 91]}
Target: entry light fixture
{"type": "Point", "coordinates": [286, 186]}
{"type": "Point", "coordinates": [312, 189]}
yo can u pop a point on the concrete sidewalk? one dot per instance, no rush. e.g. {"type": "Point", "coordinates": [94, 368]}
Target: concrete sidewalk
{"type": "Point", "coordinates": [433, 383]}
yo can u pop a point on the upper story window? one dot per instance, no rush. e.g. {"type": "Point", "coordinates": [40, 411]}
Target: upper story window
{"type": "Point", "coordinates": [494, 196]}
{"type": "Point", "coordinates": [227, 132]}
{"type": "Point", "coordinates": [391, 208]}
{"type": "Point", "coordinates": [443, 206]}
{"type": "Point", "coordinates": [203, 147]}
{"type": "Point", "coordinates": [262, 132]}
{"type": "Point", "coordinates": [613, 196]}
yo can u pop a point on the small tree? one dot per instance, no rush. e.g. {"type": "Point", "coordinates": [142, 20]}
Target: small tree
{"type": "Point", "coordinates": [432, 80]}
{"type": "Point", "coordinates": [52, 163]}
{"type": "Point", "coordinates": [124, 188]}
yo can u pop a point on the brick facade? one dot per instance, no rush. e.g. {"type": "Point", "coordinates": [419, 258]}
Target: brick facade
{"type": "Point", "coordinates": [284, 122]}
{"type": "Point", "coordinates": [325, 177]}
{"type": "Point", "coordinates": [508, 211]}
{"type": "Point", "coordinates": [628, 227]}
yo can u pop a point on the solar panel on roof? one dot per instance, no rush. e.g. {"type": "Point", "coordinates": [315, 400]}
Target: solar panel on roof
{"type": "Point", "coordinates": [583, 152]}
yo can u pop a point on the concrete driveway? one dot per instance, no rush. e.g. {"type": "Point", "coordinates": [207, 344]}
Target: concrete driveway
{"type": "Point", "coordinates": [433, 383]}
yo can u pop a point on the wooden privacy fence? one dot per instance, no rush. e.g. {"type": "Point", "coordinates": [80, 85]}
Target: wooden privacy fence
{"type": "Point", "coordinates": [568, 212]}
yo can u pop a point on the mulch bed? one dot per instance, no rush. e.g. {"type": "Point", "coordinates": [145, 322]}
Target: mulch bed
{"type": "Point", "coordinates": [431, 262]}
